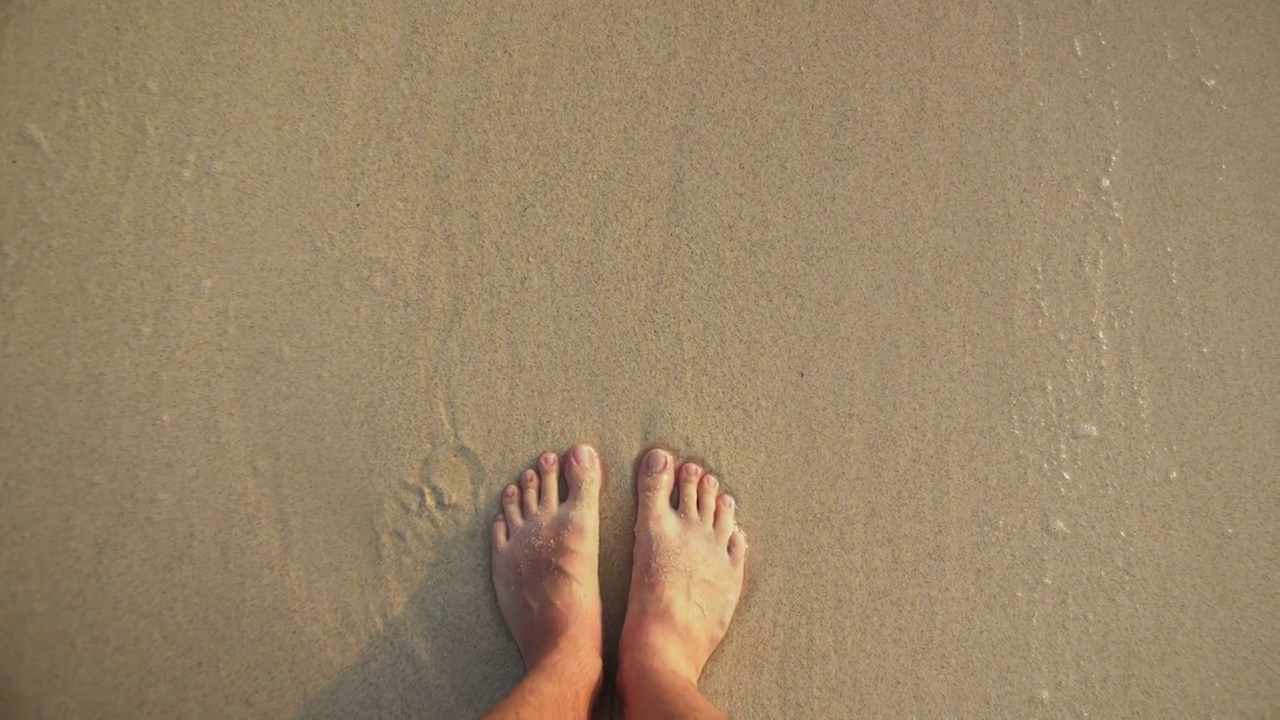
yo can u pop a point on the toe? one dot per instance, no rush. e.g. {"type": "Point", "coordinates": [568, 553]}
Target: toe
{"type": "Point", "coordinates": [583, 474]}
{"type": "Point", "coordinates": [500, 532]}
{"type": "Point", "coordinates": [653, 484]}
{"type": "Point", "coordinates": [511, 507]}
{"type": "Point", "coordinates": [738, 547]}
{"type": "Point", "coordinates": [725, 524]}
{"type": "Point", "coordinates": [528, 493]}
{"type": "Point", "coordinates": [690, 474]}
{"type": "Point", "coordinates": [707, 489]}
{"type": "Point", "coordinates": [549, 482]}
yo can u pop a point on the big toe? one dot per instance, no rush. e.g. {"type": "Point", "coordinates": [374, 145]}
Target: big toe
{"type": "Point", "coordinates": [654, 481]}
{"type": "Point", "coordinates": [583, 474]}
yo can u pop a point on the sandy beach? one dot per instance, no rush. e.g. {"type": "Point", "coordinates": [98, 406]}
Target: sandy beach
{"type": "Point", "coordinates": [973, 307]}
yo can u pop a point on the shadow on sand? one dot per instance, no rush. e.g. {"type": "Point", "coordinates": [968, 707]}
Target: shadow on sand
{"type": "Point", "coordinates": [445, 656]}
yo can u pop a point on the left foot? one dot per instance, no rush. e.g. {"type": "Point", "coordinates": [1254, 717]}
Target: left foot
{"type": "Point", "coordinates": [546, 558]}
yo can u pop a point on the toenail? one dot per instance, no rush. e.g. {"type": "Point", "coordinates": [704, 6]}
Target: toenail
{"type": "Point", "coordinates": [690, 469]}
{"type": "Point", "coordinates": [584, 456]}
{"type": "Point", "coordinates": [710, 481]}
{"type": "Point", "coordinates": [510, 491]}
{"type": "Point", "coordinates": [729, 502]}
{"type": "Point", "coordinates": [548, 460]}
{"type": "Point", "coordinates": [656, 462]}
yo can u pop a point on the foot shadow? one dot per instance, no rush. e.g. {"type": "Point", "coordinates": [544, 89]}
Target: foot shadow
{"type": "Point", "coordinates": [445, 656]}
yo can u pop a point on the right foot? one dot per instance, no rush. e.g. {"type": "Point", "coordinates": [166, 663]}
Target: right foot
{"type": "Point", "coordinates": [687, 571]}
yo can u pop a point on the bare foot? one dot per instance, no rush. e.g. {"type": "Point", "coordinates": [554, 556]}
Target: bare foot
{"type": "Point", "coordinates": [687, 572]}
{"type": "Point", "coordinates": [546, 558]}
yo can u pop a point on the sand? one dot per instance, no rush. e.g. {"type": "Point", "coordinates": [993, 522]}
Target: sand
{"type": "Point", "coordinates": [973, 306]}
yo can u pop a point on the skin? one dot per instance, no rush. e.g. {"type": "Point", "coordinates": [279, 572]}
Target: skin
{"type": "Point", "coordinates": [685, 584]}
{"type": "Point", "coordinates": [546, 557]}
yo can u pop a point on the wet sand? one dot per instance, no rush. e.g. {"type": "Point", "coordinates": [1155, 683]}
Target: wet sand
{"type": "Point", "coordinates": [972, 308]}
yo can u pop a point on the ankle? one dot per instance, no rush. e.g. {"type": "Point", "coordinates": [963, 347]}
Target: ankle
{"type": "Point", "coordinates": [646, 659]}
{"type": "Point", "coordinates": [644, 685]}
{"type": "Point", "coordinates": [579, 672]}
{"type": "Point", "coordinates": [557, 685]}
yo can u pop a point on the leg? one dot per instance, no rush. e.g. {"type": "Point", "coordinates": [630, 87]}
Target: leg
{"type": "Point", "coordinates": [546, 562]}
{"type": "Point", "coordinates": [685, 585]}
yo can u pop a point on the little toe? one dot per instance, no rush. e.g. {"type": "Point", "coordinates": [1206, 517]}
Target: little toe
{"type": "Point", "coordinates": [738, 547]}
{"type": "Point", "coordinates": [549, 482]}
{"type": "Point", "coordinates": [529, 493]}
{"type": "Point", "coordinates": [583, 475]}
{"type": "Point", "coordinates": [511, 507]}
{"type": "Point", "coordinates": [707, 489]}
{"type": "Point", "coordinates": [725, 524]}
{"type": "Point", "coordinates": [690, 474]}
{"type": "Point", "coordinates": [653, 485]}
{"type": "Point", "coordinates": [500, 533]}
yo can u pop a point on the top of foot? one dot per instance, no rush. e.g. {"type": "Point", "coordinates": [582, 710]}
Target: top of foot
{"type": "Point", "coordinates": [546, 556]}
{"type": "Point", "coordinates": [688, 568]}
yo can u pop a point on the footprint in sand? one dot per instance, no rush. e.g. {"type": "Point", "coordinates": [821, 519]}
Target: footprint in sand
{"type": "Point", "coordinates": [446, 484]}
{"type": "Point", "coordinates": [427, 510]}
